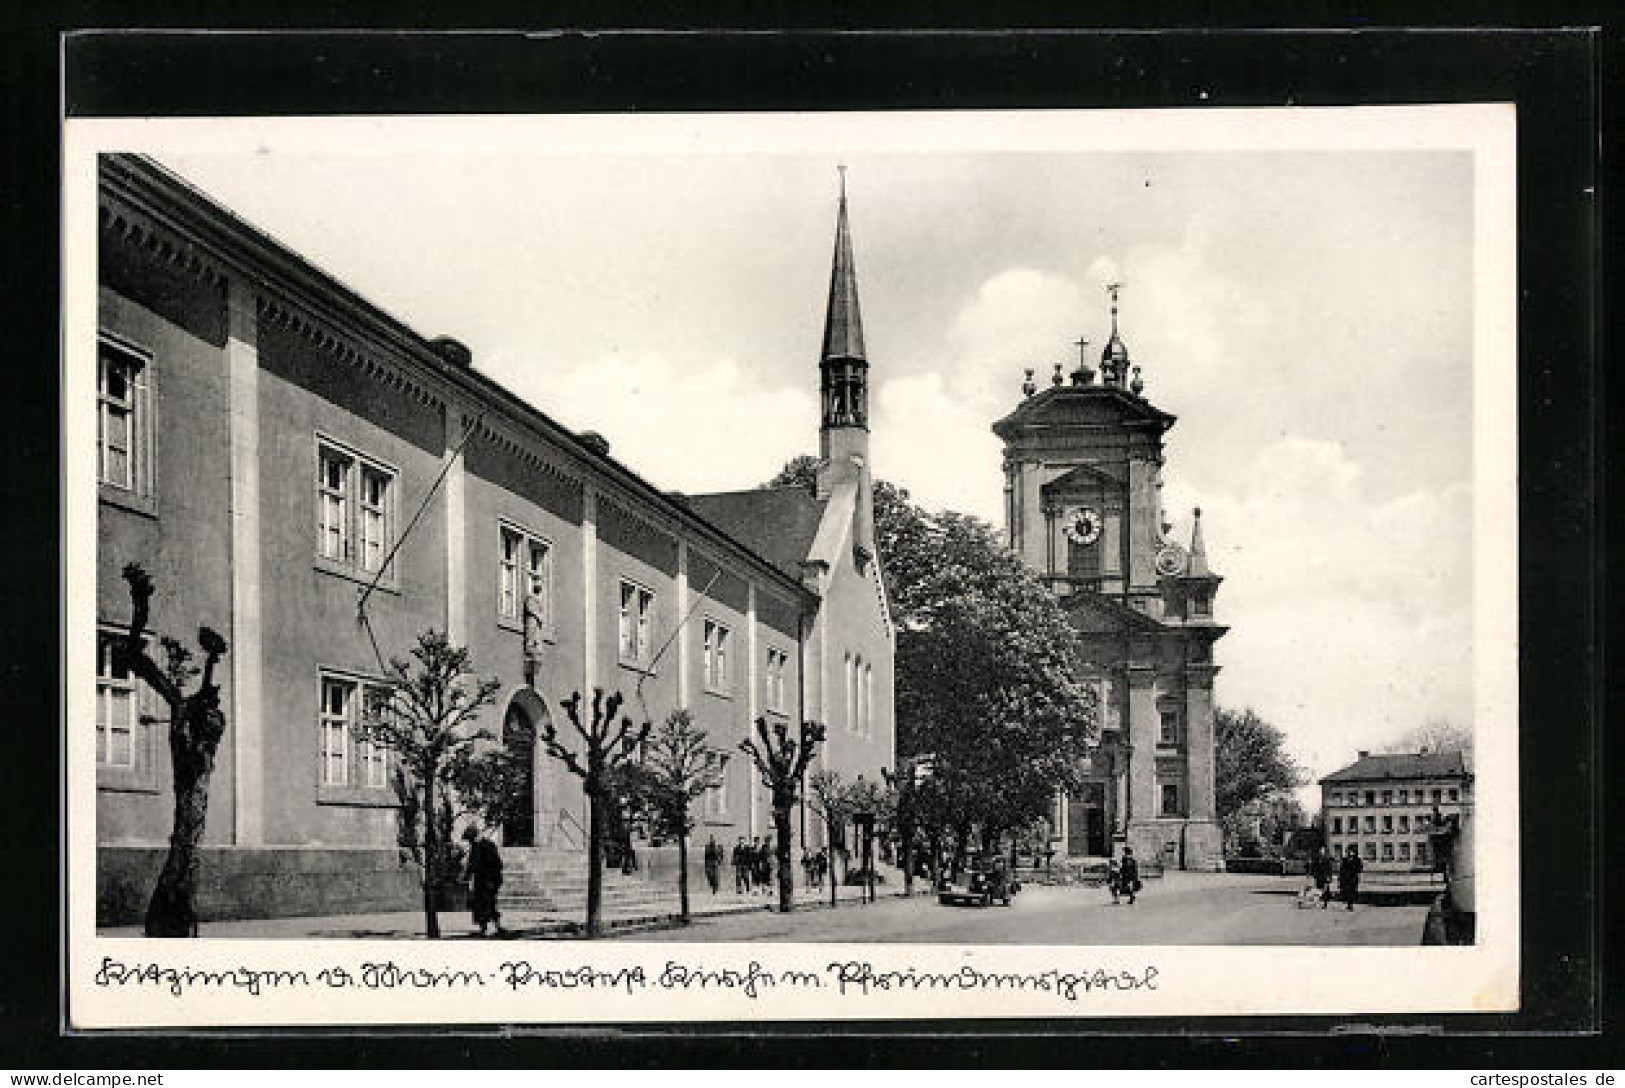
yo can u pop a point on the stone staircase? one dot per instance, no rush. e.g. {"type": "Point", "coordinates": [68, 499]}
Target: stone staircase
{"type": "Point", "coordinates": [550, 880]}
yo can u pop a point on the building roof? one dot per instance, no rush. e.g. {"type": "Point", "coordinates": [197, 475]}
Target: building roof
{"type": "Point", "coordinates": [219, 235]}
{"type": "Point", "coordinates": [777, 523]}
{"type": "Point", "coordinates": [843, 325]}
{"type": "Point", "coordinates": [1401, 765]}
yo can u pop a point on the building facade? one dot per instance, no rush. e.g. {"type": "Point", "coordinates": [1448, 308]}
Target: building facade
{"type": "Point", "coordinates": [321, 484]}
{"type": "Point", "coordinates": [1082, 470]}
{"type": "Point", "coordinates": [1390, 807]}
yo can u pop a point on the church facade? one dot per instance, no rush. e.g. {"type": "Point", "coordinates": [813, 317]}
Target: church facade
{"type": "Point", "coordinates": [320, 484]}
{"type": "Point", "coordinates": [1082, 481]}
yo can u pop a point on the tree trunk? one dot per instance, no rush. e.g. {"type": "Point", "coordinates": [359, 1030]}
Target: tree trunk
{"type": "Point", "coordinates": [906, 849]}
{"type": "Point", "coordinates": [682, 873]}
{"type": "Point", "coordinates": [869, 860]}
{"type": "Point", "coordinates": [595, 861]}
{"type": "Point", "coordinates": [829, 837]}
{"type": "Point", "coordinates": [934, 841]}
{"type": "Point", "coordinates": [172, 911]}
{"type": "Point", "coordinates": [431, 874]}
{"type": "Point", "coordinates": [781, 828]}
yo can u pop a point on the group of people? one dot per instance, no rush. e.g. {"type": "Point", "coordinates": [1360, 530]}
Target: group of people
{"type": "Point", "coordinates": [1349, 867]}
{"type": "Point", "coordinates": [753, 866]}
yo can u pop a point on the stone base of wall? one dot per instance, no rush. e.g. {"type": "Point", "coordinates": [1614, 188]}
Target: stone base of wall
{"type": "Point", "coordinates": [260, 882]}
{"type": "Point", "coordinates": [1167, 842]}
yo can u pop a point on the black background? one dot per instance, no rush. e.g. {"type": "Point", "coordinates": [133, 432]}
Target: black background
{"type": "Point", "coordinates": [1563, 80]}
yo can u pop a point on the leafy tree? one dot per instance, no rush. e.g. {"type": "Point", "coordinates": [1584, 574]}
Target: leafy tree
{"type": "Point", "coordinates": [868, 802]}
{"type": "Point", "coordinates": [987, 669]}
{"type": "Point", "coordinates": [608, 751]}
{"type": "Point", "coordinates": [1435, 735]}
{"type": "Point", "coordinates": [427, 724]}
{"type": "Point", "coordinates": [782, 761]}
{"type": "Point", "coordinates": [196, 724]}
{"type": "Point", "coordinates": [679, 766]}
{"type": "Point", "coordinates": [1251, 764]}
{"type": "Point", "coordinates": [830, 796]}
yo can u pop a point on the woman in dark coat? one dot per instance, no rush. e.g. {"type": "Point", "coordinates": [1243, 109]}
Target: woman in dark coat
{"type": "Point", "coordinates": [1348, 876]}
{"type": "Point", "coordinates": [1320, 871]}
{"type": "Point", "coordinates": [484, 877]}
{"type": "Point", "coordinates": [1128, 875]}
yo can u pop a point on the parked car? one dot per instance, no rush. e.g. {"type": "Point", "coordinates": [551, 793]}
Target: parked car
{"type": "Point", "coordinates": [980, 885]}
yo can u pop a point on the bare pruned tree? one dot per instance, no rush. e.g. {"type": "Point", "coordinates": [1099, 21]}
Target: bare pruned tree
{"type": "Point", "coordinates": [680, 767]}
{"type": "Point", "coordinates": [782, 760]}
{"type": "Point", "coordinates": [831, 798]}
{"type": "Point", "coordinates": [608, 749]}
{"type": "Point", "coordinates": [196, 724]}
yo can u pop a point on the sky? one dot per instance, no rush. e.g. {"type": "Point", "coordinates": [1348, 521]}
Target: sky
{"type": "Point", "coordinates": [1308, 316]}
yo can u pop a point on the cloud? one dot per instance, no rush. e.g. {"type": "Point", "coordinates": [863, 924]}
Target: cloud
{"type": "Point", "coordinates": [686, 424]}
{"type": "Point", "coordinates": [937, 446]}
{"type": "Point", "coordinates": [1352, 616]}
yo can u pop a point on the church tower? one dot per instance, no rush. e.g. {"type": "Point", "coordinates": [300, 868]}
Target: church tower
{"type": "Point", "coordinates": [843, 368]}
{"type": "Point", "coordinates": [1083, 479]}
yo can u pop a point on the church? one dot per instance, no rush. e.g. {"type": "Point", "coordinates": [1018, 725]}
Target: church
{"type": "Point", "coordinates": [320, 483]}
{"type": "Point", "coordinates": [1082, 485]}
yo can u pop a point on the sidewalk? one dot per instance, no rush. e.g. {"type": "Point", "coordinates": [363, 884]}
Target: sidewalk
{"type": "Point", "coordinates": [519, 925]}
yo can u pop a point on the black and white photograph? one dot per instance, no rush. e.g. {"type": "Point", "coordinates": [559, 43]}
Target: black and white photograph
{"type": "Point", "coordinates": [989, 541]}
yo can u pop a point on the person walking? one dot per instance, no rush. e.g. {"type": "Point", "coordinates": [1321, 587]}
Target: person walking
{"type": "Point", "coordinates": [1128, 877]}
{"type": "Point", "coordinates": [1114, 880]}
{"type": "Point", "coordinates": [739, 860]}
{"type": "Point", "coordinates": [713, 864]}
{"type": "Point", "coordinates": [484, 876]}
{"type": "Point", "coordinates": [1348, 876]}
{"type": "Point", "coordinates": [1320, 871]}
{"type": "Point", "coordinates": [764, 867]}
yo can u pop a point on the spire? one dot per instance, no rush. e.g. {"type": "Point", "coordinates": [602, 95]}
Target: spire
{"type": "Point", "coordinates": [843, 326]}
{"type": "Point", "coordinates": [1198, 563]}
{"type": "Point", "coordinates": [1114, 359]}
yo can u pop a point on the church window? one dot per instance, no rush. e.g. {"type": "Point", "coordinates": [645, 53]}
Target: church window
{"type": "Point", "coordinates": [777, 665]}
{"type": "Point", "coordinates": [1168, 729]}
{"type": "Point", "coordinates": [1083, 560]}
{"type": "Point", "coordinates": [868, 700]}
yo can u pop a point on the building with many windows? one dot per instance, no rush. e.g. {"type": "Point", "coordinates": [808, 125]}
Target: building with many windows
{"type": "Point", "coordinates": [320, 484]}
{"type": "Point", "coordinates": [1387, 806]}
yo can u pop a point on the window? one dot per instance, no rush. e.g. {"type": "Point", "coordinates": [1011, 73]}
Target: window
{"type": "Point", "coordinates": [851, 695]}
{"type": "Point", "coordinates": [636, 624]}
{"type": "Point", "coordinates": [777, 665]}
{"type": "Point", "coordinates": [868, 701]}
{"type": "Point", "coordinates": [524, 570]}
{"type": "Point", "coordinates": [1404, 823]}
{"type": "Point", "coordinates": [348, 760]}
{"type": "Point", "coordinates": [1387, 825]}
{"type": "Point", "coordinates": [1387, 851]}
{"type": "Point", "coordinates": [1168, 731]}
{"type": "Point", "coordinates": [1387, 797]}
{"type": "Point", "coordinates": [1337, 825]}
{"type": "Point", "coordinates": [355, 515]}
{"type": "Point", "coordinates": [118, 708]}
{"type": "Point", "coordinates": [1455, 795]}
{"type": "Point", "coordinates": [1337, 798]}
{"type": "Point", "coordinates": [123, 431]}
{"type": "Point", "coordinates": [716, 656]}
{"type": "Point", "coordinates": [1422, 851]}
{"type": "Point", "coordinates": [1370, 825]}
{"type": "Point", "coordinates": [1170, 799]}
{"type": "Point", "coordinates": [1370, 797]}
{"type": "Point", "coordinates": [1370, 851]}
{"type": "Point", "coordinates": [1404, 851]}
{"type": "Point", "coordinates": [716, 797]}
{"type": "Point", "coordinates": [1404, 797]}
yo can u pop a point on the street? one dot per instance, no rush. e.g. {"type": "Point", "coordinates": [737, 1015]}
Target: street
{"type": "Point", "coordinates": [1180, 908]}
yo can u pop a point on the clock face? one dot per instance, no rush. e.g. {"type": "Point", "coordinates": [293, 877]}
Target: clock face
{"type": "Point", "coordinates": [1171, 560]}
{"type": "Point", "coordinates": [1084, 527]}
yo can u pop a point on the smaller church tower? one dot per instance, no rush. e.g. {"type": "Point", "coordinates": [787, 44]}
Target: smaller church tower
{"type": "Point", "coordinates": [843, 368]}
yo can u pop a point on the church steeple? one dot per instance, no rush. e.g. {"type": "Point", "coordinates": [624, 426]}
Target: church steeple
{"type": "Point", "coordinates": [1114, 358]}
{"type": "Point", "coordinates": [843, 366]}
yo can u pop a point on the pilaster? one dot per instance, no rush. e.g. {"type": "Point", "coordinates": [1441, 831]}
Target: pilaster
{"type": "Point", "coordinates": [1142, 737]}
{"type": "Point", "coordinates": [589, 588]}
{"type": "Point", "coordinates": [1199, 727]}
{"type": "Point", "coordinates": [456, 491]}
{"type": "Point", "coordinates": [246, 657]}
{"type": "Point", "coordinates": [684, 681]}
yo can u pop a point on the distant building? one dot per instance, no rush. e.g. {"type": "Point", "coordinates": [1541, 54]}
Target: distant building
{"type": "Point", "coordinates": [1083, 507]}
{"type": "Point", "coordinates": [1389, 806]}
{"type": "Point", "coordinates": [274, 448]}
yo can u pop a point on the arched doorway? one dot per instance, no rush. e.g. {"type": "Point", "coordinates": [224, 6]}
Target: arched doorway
{"type": "Point", "coordinates": [521, 724]}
